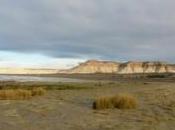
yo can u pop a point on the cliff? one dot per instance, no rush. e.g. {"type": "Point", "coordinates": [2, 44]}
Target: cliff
{"type": "Point", "coordinates": [94, 66]}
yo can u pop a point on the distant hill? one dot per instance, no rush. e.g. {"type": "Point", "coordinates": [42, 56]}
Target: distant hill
{"type": "Point", "coordinates": [94, 66]}
{"type": "Point", "coordinates": [27, 71]}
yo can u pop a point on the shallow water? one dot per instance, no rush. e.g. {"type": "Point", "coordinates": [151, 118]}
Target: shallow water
{"type": "Point", "coordinates": [22, 78]}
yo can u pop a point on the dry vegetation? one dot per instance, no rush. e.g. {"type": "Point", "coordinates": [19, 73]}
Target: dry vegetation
{"type": "Point", "coordinates": [20, 94]}
{"type": "Point", "coordinates": [45, 85]}
{"type": "Point", "coordinates": [64, 102]}
{"type": "Point", "coordinates": [120, 101]}
{"type": "Point", "coordinates": [38, 91]}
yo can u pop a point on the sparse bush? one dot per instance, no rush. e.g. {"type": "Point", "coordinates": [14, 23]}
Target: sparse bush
{"type": "Point", "coordinates": [157, 76]}
{"type": "Point", "coordinates": [38, 91]}
{"type": "Point", "coordinates": [103, 103]}
{"type": "Point", "coordinates": [120, 101]}
{"type": "Point", "coordinates": [20, 94]}
{"type": "Point", "coordinates": [124, 101]}
{"type": "Point", "coordinates": [17, 94]}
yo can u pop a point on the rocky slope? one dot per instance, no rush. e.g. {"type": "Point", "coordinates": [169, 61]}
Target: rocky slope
{"type": "Point", "coordinates": [94, 66]}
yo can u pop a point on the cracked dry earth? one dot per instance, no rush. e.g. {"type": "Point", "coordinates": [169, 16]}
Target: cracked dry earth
{"type": "Point", "coordinates": [71, 110]}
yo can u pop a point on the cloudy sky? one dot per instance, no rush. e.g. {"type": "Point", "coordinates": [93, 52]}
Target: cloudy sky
{"type": "Point", "coordinates": [61, 33]}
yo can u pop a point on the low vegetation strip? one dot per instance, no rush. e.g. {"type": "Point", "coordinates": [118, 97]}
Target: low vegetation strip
{"type": "Point", "coordinates": [120, 101]}
{"type": "Point", "coordinates": [45, 85]}
{"type": "Point", "coordinates": [20, 94]}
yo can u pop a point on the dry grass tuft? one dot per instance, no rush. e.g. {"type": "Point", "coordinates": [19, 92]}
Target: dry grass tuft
{"type": "Point", "coordinates": [120, 101]}
{"type": "Point", "coordinates": [103, 103]}
{"type": "Point", "coordinates": [38, 91]}
{"type": "Point", "coordinates": [124, 101]}
{"type": "Point", "coordinates": [20, 94]}
{"type": "Point", "coordinates": [17, 94]}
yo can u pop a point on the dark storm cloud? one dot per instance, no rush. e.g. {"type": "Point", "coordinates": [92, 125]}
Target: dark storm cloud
{"type": "Point", "coordinates": [106, 29]}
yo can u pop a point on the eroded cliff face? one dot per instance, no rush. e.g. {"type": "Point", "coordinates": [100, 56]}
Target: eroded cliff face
{"type": "Point", "coordinates": [143, 67]}
{"type": "Point", "coordinates": [94, 66]}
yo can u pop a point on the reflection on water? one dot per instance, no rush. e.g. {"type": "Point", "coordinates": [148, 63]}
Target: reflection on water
{"type": "Point", "coordinates": [37, 78]}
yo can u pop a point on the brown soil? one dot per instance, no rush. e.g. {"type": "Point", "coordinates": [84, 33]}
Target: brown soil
{"type": "Point", "coordinates": [72, 109]}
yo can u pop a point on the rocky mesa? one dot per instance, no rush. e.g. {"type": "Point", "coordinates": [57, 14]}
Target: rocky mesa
{"type": "Point", "coordinates": [95, 66]}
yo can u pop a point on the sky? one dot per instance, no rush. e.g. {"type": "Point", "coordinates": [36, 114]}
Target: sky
{"type": "Point", "coordinates": [63, 33]}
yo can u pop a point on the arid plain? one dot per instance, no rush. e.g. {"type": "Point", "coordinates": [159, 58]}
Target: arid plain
{"type": "Point", "coordinates": [87, 65]}
{"type": "Point", "coordinates": [68, 106]}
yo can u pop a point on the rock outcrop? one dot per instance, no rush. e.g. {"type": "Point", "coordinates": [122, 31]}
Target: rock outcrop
{"type": "Point", "coordinates": [94, 66]}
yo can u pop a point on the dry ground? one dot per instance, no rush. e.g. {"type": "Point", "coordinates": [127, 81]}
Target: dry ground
{"type": "Point", "coordinates": [72, 109]}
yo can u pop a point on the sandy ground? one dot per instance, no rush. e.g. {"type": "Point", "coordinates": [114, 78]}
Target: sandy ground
{"type": "Point", "coordinates": [72, 109]}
